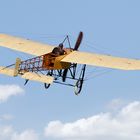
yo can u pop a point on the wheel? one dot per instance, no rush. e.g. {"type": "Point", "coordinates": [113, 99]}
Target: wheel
{"type": "Point", "coordinates": [78, 87]}
{"type": "Point", "coordinates": [46, 85]}
{"type": "Point", "coordinates": [79, 83]}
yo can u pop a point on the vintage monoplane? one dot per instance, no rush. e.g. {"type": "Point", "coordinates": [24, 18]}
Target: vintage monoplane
{"type": "Point", "coordinates": [57, 63]}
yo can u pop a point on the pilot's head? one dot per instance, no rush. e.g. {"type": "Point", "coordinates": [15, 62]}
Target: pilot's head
{"type": "Point", "coordinates": [61, 45]}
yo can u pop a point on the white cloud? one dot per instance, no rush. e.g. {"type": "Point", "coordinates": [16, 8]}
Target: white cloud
{"type": "Point", "coordinates": [6, 91]}
{"type": "Point", "coordinates": [5, 132]}
{"type": "Point", "coordinates": [116, 104]}
{"type": "Point", "coordinates": [8, 133]}
{"type": "Point", "coordinates": [125, 125]}
{"type": "Point", "coordinates": [26, 135]}
{"type": "Point", "coordinates": [6, 117]}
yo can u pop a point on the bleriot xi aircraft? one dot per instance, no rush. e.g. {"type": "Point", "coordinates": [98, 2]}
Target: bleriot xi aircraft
{"type": "Point", "coordinates": [52, 64]}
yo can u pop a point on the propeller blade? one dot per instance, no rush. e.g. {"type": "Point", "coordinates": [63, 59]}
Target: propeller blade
{"type": "Point", "coordinates": [79, 40]}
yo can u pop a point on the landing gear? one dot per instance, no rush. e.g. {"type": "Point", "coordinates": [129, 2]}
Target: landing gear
{"type": "Point", "coordinates": [50, 73]}
{"type": "Point", "coordinates": [46, 85]}
{"type": "Point", "coordinates": [78, 87]}
{"type": "Point", "coordinates": [79, 83]}
{"type": "Point", "coordinates": [26, 81]}
{"type": "Point", "coordinates": [64, 76]}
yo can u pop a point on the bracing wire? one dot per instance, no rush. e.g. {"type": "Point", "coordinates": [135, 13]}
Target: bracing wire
{"type": "Point", "coordinates": [99, 74]}
{"type": "Point", "coordinates": [102, 49]}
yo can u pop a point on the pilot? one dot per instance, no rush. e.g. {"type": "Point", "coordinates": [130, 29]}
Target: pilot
{"type": "Point", "coordinates": [58, 50]}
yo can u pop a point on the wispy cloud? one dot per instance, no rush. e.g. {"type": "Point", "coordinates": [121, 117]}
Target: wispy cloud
{"type": "Point", "coordinates": [6, 91]}
{"type": "Point", "coordinates": [25, 135]}
{"type": "Point", "coordinates": [125, 125]}
{"type": "Point", "coordinates": [8, 133]}
{"type": "Point", "coordinates": [116, 104]}
{"type": "Point", "coordinates": [5, 132]}
{"type": "Point", "coordinates": [6, 117]}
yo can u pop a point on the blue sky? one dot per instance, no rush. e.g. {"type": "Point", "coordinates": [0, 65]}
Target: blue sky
{"type": "Point", "coordinates": [109, 26]}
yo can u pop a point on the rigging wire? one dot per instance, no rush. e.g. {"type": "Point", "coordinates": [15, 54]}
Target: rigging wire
{"type": "Point", "coordinates": [99, 74]}
{"type": "Point", "coordinates": [105, 50]}
{"type": "Point", "coordinates": [36, 34]}
{"type": "Point", "coordinates": [96, 49]}
{"type": "Point", "coordinates": [95, 70]}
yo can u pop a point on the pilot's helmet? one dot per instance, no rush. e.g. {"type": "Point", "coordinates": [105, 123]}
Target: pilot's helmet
{"type": "Point", "coordinates": [61, 45]}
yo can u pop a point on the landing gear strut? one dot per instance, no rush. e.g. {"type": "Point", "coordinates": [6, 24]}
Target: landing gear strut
{"type": "Point", "coordinates": [48, 74]}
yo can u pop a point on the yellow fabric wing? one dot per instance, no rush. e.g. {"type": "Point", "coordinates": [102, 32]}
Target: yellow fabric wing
{"type": "Point", "coordinates": [7, 71]}
{"type": "Point", "coordinates": [102, 60]}
{"type": "Point", "coordinates": [24, 45]}
{"type": "Point", "coordinates": [28, 75]}
{"type": "Point", "coordinates": [38, 77]}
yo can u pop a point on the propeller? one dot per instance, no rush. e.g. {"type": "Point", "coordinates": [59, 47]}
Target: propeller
{"type": "Point", "coordinates": [79, 40]}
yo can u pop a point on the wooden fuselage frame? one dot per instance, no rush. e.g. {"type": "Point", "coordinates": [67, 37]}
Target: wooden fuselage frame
{"type": "Point", "coordinates": [53, 62]}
